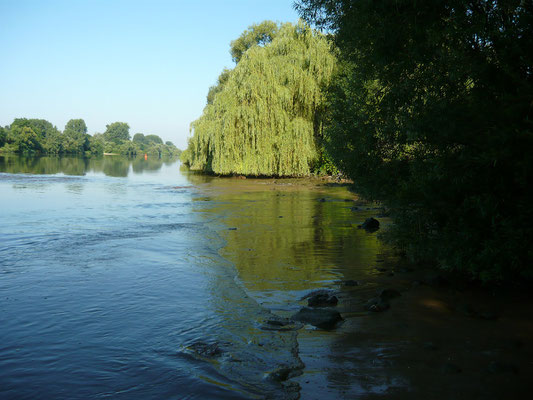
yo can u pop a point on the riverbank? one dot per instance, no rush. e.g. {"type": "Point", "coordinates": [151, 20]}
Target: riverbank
{"type": "Point", "coordinates": [437, 340]}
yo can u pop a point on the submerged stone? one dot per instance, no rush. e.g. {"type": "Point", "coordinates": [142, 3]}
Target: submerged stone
{"type": "Point", "coordinates": [370, 225]}
{"type": "Point", "coordinates": [208, 350]}
{"type": "Point", "coordinates": [381, 302]}
{"type": "Point", "coordinates": [280, 374]}
{"type": "Point", "coordinates": [322, 299]}
{"type": "Point", "coordinates": [377, 304]}
{"type": "Point", "coordinates": [280, 324]}
{"type": "Point", "coordinates": [321, 318]}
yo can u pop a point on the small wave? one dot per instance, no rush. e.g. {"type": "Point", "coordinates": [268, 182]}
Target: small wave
{"type": "Point", "coordinates": [30, 178]}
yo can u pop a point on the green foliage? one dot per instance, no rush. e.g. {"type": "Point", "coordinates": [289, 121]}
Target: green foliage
{"type": "Point", "coordinates": [75, 126]}
{"type": "Point", "coordinates": [3, 136]}
{"type": "Point", "coordinates": [324, 164]}
{"type": "Point", "coordinates": [153, 139]}
{"type": "Point", "coordinates": [28, 136]}
{"type": "Point", "coordinates": [96, 144]}
{"type": "Point", "coordinates": [185, 157]}
{"type": "Point", "coordinates": [266, 117]}
{"type": "Point", "coordinates": [256, 35]}
{"type": "Point", "coordinates": [76, 140]}
{"type": "Point", "coordinates": [139, 138]}
{"type": "Point", "coordinates": [431, 114]}
{"type": "Point", "coordinates": [27, 141]}
{"type": "Point", "coordinates": [40, 127]}
{"type": "Point", "coordinates": [147, 142]}
{"type": "Point", "coordinates": [213, 90]}
{"type": "Point", "coordinates": [54, 143]}
{"type": "Point", "coordinates": [117, 132]}
{"type": "Point", "coordinates": [127, 148]}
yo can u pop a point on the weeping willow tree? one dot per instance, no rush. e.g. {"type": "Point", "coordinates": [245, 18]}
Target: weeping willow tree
{"type": "Point", "coordinates": [264, 117]}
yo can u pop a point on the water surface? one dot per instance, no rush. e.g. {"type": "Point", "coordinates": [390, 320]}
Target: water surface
{"type": "Point", "coordinates": [132, 278]}
{"type": "Point", "coordinates": [110, 274]}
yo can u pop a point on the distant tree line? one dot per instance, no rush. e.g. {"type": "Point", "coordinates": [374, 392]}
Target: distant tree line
{"type": "Point", "coordinates": [38, 136]}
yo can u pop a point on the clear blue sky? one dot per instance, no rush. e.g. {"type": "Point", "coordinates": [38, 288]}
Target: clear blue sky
{"type": "Point", "coordinates": [148, 63]}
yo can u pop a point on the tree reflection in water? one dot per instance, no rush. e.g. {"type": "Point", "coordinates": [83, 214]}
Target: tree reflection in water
{"type": "Point", "coordinates": [115, 166]}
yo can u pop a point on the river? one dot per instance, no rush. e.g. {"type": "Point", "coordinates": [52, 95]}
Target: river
{"type": "Point", "coordinates": [131, 278]}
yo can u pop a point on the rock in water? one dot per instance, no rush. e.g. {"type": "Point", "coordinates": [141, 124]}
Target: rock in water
{"type": "Point", "coordinates": [280, 374]}
{"type": "Point", "coordinates": [207, 350]}
{"type": "Point", "coordinates": [321, 318]}
{"type": "Point", "coordinates": [280, 324]}
{"type": "Point", "coordinates": [381, 303]}
{"type": "Point", "coordinates": [321, 298]}
{"type": "Point", "coordinates": [317, 292]}
{"type": "Point", "coordinates": [377, 304]}
{"type": "Point", "coordinates": [370, 225]}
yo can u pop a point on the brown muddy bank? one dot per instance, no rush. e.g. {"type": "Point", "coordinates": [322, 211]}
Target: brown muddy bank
{"type": "Point", "coordinates": [437, 340]}
{"type": "Point", "coordinates": [433, 342]}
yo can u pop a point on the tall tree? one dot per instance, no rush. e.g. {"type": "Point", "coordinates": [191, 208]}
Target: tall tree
{"type": "Point", "coordinates": [26, 140]}
{"type": "Point", "coordinates": [153, 139]}
{"type": "Point", "coordinates": [256, 35]}
{"type": "Point", "coordinates": [266, 118]}
{"type": "Point", "coordinates": [75, 136]}
{"type": "Point", "coordinates": [431, 114]}
{"type": "Point", "coordinates": [40, 127]}
{"type": "Point", "coordinates": [117, 132]}
{"type": "Point", "coordinates": [213, 90]}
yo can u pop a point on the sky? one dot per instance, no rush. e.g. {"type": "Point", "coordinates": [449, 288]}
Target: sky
{"type": "Point", "coordinates": [147, 63]}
